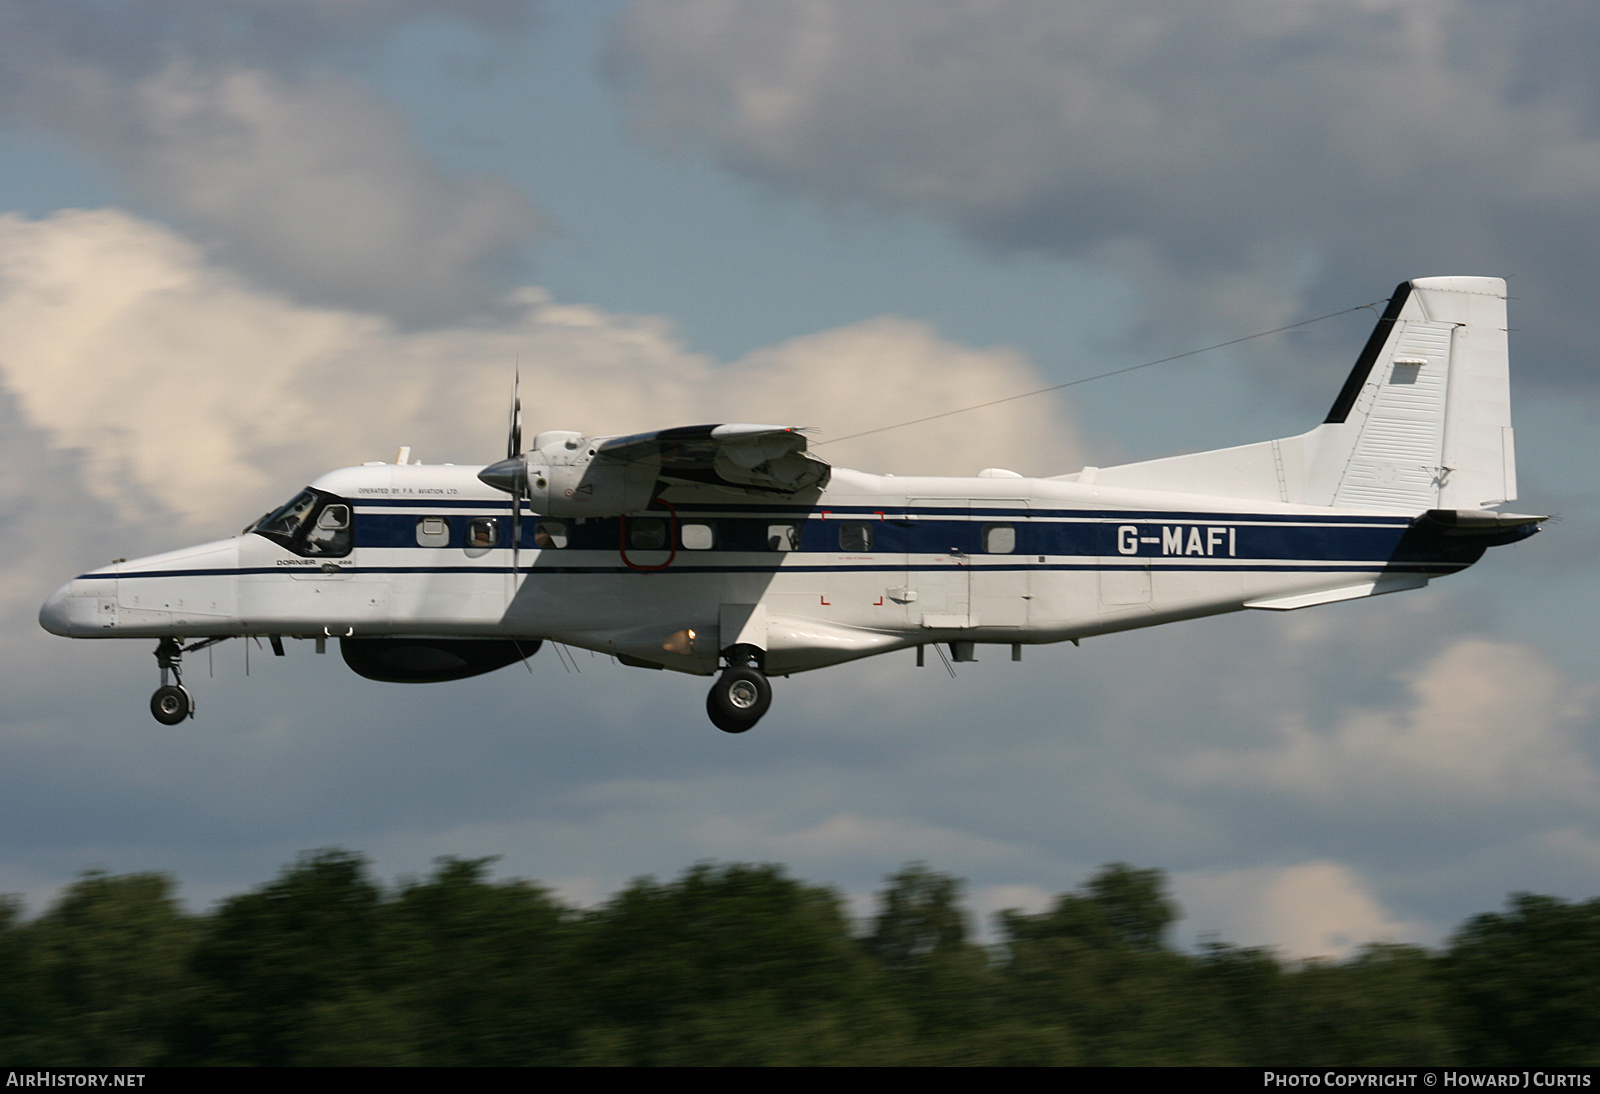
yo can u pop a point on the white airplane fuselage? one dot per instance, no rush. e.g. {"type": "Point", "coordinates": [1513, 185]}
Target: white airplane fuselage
{"type": "Point", "coordinates": [875, 563]}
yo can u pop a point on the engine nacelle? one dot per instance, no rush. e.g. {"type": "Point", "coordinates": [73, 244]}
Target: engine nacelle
{"type": "Point", "coordinates": [594, 488]}
{"type": "Point", "coordinates": [562, 477]}
{"type": "Point", "coordinates": [431, 660]}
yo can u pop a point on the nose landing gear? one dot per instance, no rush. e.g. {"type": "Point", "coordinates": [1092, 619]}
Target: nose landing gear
{"type": "Point", "coordinates": [172, 702]}
{"type": "Point", "coordinates": [741, 694]}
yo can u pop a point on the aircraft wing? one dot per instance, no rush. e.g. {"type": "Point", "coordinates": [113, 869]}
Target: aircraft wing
{"type": "Point", "coordinates": [768, 458]}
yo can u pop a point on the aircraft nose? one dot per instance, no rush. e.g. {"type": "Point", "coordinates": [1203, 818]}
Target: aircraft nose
{"type": "Point", "coordinates": [55, 616]}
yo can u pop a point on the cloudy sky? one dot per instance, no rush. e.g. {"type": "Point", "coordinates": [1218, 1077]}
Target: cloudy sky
{"type": "Point", "coordinates": [243, 243]}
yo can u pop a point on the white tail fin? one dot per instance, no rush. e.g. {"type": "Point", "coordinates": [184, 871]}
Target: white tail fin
{"type": "Point", "coordinates": [1423, 421]}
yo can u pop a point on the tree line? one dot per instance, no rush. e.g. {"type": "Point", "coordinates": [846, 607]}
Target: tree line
{"type": "Point", "coordinates": [742, 964]}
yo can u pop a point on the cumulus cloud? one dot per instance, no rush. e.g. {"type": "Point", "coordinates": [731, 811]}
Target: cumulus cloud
{"type": "Point", "coordinates": [317, 186]}
{"type": "Point", "coordinates": [1261, 149]}
{"type": "Point", "coordinates": [129, 37]}
{"type": "Point", "coordinates": [989, 901]}
{"type": "Point", "coordinates": [42, 518]}
{"type": "Point", "coordinates": [1309, 909]}
{"type": "Point", "coordinates": [187, 388]}
{"type": "Point", "coordinates": [291, 172]}
{"type": "Point", "coordinates": [1482, 724]}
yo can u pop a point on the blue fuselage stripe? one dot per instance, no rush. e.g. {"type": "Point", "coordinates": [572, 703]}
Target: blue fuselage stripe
{"type": "Point", "coordinates": [905, 512]}
{"type": "Point", "coordinates": [891, 541]}
{"type": "Point", "coordinates": [1143, 535]}
{"type": "Point", "coordinates": [540, 569]}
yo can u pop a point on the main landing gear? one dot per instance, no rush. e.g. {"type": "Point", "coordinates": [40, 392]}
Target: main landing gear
{"type": "Point", "coordinates": [741, 694]}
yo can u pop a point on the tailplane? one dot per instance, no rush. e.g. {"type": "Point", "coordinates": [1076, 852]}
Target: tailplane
{"type": "Point", "coordinates": [1422, 423]}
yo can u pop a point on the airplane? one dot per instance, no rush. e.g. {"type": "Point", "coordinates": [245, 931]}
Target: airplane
{"type": "Point", "coordinates": [733, 551]}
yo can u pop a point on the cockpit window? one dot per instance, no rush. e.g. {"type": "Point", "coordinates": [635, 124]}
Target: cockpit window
{"type": "Point", "coordinates": [331, 533]}
{"type": "Point", "coordinates": [288, 520]}
{"type": "Point", "coordinates": [313, 524]}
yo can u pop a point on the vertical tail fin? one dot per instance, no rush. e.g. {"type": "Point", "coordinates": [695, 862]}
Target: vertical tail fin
{"type": "Point", "coordinates": [1424, 419]}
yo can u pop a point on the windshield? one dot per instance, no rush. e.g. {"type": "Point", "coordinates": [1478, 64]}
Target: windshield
{"type": "Point", "coordinates": [289, 519]}
{"type": "Point", "coordinates": [313, 524]}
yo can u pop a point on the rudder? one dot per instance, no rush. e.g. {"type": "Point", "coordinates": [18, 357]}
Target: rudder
{"type": "Point", "coordinates": [1424, 419]}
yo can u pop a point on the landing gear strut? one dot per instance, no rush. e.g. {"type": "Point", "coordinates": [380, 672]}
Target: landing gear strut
{"type": "Point", "coordinates": [172, 702]}
{"type": "Point", "coordinates": [741, 694]}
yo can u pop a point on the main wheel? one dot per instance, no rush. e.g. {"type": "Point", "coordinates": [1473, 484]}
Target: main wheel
{"type": "Point", "coordinates": [171, 704]}
{"type": "Point", "coordinates": [738, 699]}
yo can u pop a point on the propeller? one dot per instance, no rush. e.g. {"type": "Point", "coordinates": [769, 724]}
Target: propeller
{"type": "Point", "coordinates": [511, 473]}
{"type": "Point", "coordinates": [520, 480]}
{"type": "Point", "coordinates": [514, 441]}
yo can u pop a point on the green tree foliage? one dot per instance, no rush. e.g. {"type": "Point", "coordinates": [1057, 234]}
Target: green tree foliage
{"type": "Point", "coordinates": [1527, 983]}
{"type": "Point", "coordinates": [20, 996]}
{"type": "Point", "coordinates": [919, 917]}
{"type": "Point", "coordinates": [487, 970]}
{"type": "Point", "coordinates": [1097, 963]}
{"type": "Point", "coordinates": [728, 965]}
{"type": "Point", "coordinates": [278, 965]}
{"type": "Point", "coordinates": [1386, 1007]}
{"type": "Point", "coordinates": [321, 967]}
{"type": "Point", "coordinates": [745, 965]}
{"type": "Point", "coordinates": [100, 977]}
{"type": "Point", "coordinates": [942, 981]}
{"type": "Point", "coordinates": [1244, 990]}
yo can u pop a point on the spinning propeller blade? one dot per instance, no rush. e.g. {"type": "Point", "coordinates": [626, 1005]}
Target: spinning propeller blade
{"type": "Point", "coordinates": [514, 451]}
{"type": "Point", "coordinates": [514, 441]}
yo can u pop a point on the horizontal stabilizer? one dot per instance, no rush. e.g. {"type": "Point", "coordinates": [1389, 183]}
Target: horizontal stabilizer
{"type": "Point", "coordinates": [1482, 522]}
{"type": "Point", "coordinates": [1392, 583]}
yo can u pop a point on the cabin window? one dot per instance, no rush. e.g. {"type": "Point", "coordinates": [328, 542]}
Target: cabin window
{"type": "Point", "coordinates": [550, 534]}
{"type": "Point", "coordinates": [697, 537]}
{"type": "Point", "coordinates": [783, 537]}
{"type": "Point", "coordinates": [855, 535]}
{"type": "Point", "coordinates": [433, 532]}
{"type": "Point", "coordinates": [483, 532]}
{"type": "Point", "coordinates": [647, 534]}
{"type": "Point", "coordinates": [999, 539]}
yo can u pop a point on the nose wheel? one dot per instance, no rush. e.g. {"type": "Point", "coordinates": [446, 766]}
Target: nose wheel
{"type": "Point", "coordinates": [739, 698]}
{"type": "Point", "coordinates": [172, 702]}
